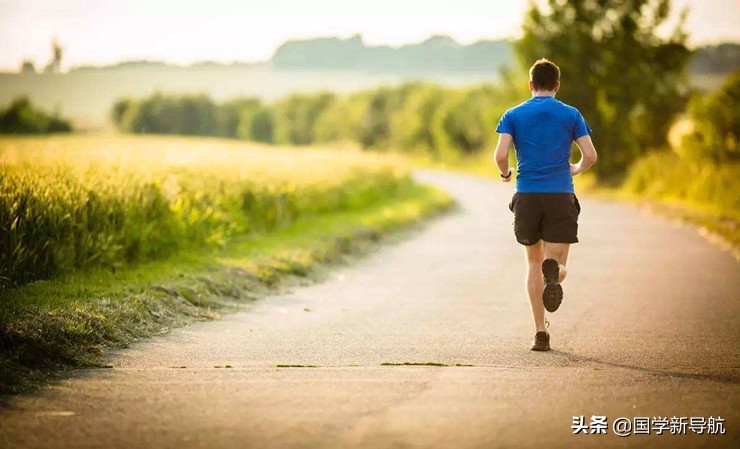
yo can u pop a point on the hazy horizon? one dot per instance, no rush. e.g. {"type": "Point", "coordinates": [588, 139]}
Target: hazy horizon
{"type": "Point", "coordinates": [104, 32]}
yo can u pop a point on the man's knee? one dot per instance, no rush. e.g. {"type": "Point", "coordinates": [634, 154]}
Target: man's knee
{"type": "Point", "coordinates": [557, 251]}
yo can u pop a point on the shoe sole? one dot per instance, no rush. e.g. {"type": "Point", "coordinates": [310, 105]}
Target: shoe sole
{"type": "Point", "coordinates": [540, 349]}
{"type": "Point", "coordinates": [552, 295]}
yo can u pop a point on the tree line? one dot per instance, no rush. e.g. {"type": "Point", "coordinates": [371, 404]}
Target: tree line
{"type": "Point", "coordinates": [413, 117]}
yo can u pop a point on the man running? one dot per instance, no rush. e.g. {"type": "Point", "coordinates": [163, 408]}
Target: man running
{"type": "Point", "coordinates": [545, 206]}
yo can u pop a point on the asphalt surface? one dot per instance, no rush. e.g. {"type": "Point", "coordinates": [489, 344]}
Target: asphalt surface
{"type": "Point", "coordinates": [648, 328]}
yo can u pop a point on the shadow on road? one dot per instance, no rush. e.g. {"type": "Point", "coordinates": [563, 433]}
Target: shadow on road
{"type": "Point", "coordinates": [723, 378]}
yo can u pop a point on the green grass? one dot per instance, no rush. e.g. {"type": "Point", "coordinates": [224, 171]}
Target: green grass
{"type": "Point", "coordinates": [49, 326]}
{"type": "Point", "coordinates": [701, 185]}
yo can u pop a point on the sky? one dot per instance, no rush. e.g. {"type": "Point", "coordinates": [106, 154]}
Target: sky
{"type": "Point", "coordinates": [184, 31]}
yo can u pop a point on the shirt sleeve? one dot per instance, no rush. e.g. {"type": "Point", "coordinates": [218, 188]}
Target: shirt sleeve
{"type": "Point", "coordinates": [581, 128]}
{"type": "Point", "coordinates": [505, 125]}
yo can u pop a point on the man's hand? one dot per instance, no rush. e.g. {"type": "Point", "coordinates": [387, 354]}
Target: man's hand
{"type": "Point", "coordinates": [575, 169]}
{"type": "Point", "coordinates": [507, 178]}
{"type": "Point", "coordinates": [588, 155]}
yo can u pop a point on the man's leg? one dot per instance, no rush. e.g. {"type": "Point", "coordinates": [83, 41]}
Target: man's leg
{"type": "Point", "coordinates": [553, 272]}
{"type": "Point", "coordinates": [559, 252]}
{"type": "Point", "coordinates": [535, 284]}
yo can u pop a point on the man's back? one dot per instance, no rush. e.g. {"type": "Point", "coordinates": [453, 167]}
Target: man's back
{"type": "Point", "coordinates": [543, 129]}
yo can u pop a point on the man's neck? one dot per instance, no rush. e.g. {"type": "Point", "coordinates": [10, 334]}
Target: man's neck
{"type": "Point", "coordinates": [543, 93]}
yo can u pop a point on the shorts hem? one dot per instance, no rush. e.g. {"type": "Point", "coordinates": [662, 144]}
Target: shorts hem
{"type": "Point", "coordinates": [561, 241]}
{"type": "Point", "coordinates": [528, 244]}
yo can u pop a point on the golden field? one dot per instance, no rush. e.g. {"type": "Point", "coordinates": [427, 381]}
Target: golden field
{"type": "Point", "coordinates": [73, 202]}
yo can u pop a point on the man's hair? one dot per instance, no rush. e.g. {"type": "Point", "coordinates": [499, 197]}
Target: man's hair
{"type": "Point", "coordinates": [544, 75]}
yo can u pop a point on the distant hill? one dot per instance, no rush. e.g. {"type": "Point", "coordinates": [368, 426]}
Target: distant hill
{"type": "Point", "coordinates": [722, 58]}
{"type": "Point", "coordinates": [436, 54]}
{"type": "Point", "coordinates": [443, 54]}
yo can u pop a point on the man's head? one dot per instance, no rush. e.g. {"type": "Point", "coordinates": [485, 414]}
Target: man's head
{"type": "Point", "coordinates": [544, 76]}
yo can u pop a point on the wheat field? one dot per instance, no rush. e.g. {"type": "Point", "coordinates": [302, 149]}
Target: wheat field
{"type": "Point", "coordinates": [74, 202]}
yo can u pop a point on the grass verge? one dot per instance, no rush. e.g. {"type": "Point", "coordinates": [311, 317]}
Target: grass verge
{"type": "Point", "coordinates": [48, 327]}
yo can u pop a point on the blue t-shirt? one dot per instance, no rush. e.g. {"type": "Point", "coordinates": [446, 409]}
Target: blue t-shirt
{"type": "Point", "coordinates": [543, 129]}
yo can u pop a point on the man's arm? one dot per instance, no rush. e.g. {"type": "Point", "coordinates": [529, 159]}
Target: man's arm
{"type": "Point", "coordinates": [588, 155]}
{"type": "Point", "coordinates": [502, 155]}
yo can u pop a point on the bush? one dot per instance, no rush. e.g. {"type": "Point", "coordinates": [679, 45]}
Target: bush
{"type": "Point", "coordinates": [20, 117]}
{"type": "Point", "coordinates": [700, 183]}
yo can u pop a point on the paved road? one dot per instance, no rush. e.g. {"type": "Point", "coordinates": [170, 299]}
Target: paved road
{"type": "Point", "coordinates": [649, 328]}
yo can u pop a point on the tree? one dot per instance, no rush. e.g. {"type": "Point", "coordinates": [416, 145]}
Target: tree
{"type": "Point", "coordinates": [419, 124]}
{"type": "Point", "coordinates": [55, 63]}
{"type": "Point", "coordinates": [341, 121]}
{"type": "Point", "coordinates": [716, 125]}
{"type": "Point", "coordinates": [119, 110]}
{"type": "Point", "coordinates": [28, 67]}
{"type": "Point", "coordinates": [628, 82]}
{"type": "Point", "coordinates": [261, 125]}
{"type": "Point", "coordinates": [471, 120]}
{"type": "Point", "coordinates": [255, 123]}
{"type": "Point", "coordinates": [381, 105]}
{"type": "Point", "coordinates": [295, 116]}
{"type": "Point", "coordinates": [230, 115]}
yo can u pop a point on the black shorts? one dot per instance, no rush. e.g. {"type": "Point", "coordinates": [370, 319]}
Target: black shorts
{"type": "Point", "coordinates": [552, 217]}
